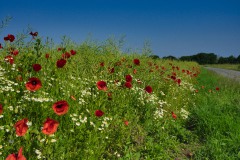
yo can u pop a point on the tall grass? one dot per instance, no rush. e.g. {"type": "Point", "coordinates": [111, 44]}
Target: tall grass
{"type": "Point", "coordinates": [215, 119]}
{"type": "Point", "coordinates": [161, 112]}
{"type": "Point", "coordinates": [136, 123]}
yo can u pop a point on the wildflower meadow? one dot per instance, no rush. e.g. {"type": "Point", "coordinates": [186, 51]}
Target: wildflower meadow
{"type": "Point", "coordinates": [93, 101]}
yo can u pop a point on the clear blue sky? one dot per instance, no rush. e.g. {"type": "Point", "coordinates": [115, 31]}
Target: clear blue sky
{"type": "Point", "coordinates": [173, 27]}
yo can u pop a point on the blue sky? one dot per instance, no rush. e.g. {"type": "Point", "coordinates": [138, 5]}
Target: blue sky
{"type": "Point", "coordinates": [173, 27]}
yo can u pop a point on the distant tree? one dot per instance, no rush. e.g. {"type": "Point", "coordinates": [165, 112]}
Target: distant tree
{"type": "Point", "coordinates": [238, 59]}
{"type": "Point", "coordinates": [154, 56]}
{"type": "Point", "coordinates": [170, 57]}
{"type": "Point", "coordinates": [186, 58]}
{"type": "Point", "coordinates": [205, 58]}
{"type": "Point", "coordinates": [212, 58]}
{"type": "Point", "coordinates": [222, 60]}
{"type": "Point", "coordinates": [232, 59]}
{"type": "Point", "coordinates": [201, 58]}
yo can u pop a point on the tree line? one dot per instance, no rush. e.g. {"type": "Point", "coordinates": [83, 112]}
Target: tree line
{"type": "Point", "coordinates": [204, 58]}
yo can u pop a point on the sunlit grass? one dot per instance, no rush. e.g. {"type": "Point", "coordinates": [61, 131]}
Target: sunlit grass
{"type": "Point", "coordinates": [215, 118]}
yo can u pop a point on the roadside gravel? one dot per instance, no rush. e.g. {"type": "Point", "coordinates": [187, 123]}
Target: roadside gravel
{"type": "Point", "coordinates": [227, 73]}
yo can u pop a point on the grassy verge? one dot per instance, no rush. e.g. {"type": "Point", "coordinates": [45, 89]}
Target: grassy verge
{"type": "Point", "coordinates": [215, 119]}
{"type": "Point", "coordinates": [91, 101]}
{"type": "Point", "coordinates": [225, 66]}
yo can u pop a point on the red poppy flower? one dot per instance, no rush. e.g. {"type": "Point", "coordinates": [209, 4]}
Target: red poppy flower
{"type": "Point", "coordinates": [1, 46]}
{"type": "Point", "coordinates": [33, 34]}
{"type": "Point", "coordinates": [60, 107]}
{"type": "Point", "coordinates": [37, 67]}
{"type": "Point", "coordinates": [1, 109]}
{"type": "Point", "coordinates": [128, 85]}
{"type": "Point", "coordinates": [18, 156]}
{"type": "Point", "coordinates": [128, 78]}
{"type": "Point", "coordinates": [136, 62]}
{"type": "Point", "coordinates": [178, 81]}
{"type": "Point", "coordinates": [217, 88]}
{"type": "Point", "coordinates": [59, 49]}
{"type": "Point", "coordinates": [99, 113]}
{"type": "Point", "coordinates": [109, 96]}
{"type": "Point", "coordinates": [134, 71]}
{"type": "Point", "coordinates": [66, 55]}
{"type": "Point", "coordinates": [148, 89]}
{"type": "Point", "coordinates": [21, 127]}
{"type": "Point", "coordinates": [111, 70]}
{"type": "Point", "coordinates": [9, 59]}
{"type": "Point", "coordinates": [47, 55]}
{"type": "Point", "coordinates": [102, 64]}
{"type": "Point", "coordinates": [61, 63]}
{"type": "Point", "coordinates": [10, 38]}
{"type": "Point", "coordinates": [183, 71]}
{"type": "Point", "coordinates": [174, 115]}
{"type": "Point", "coordinates": [50, 126]}
{"type": "Point", "coordinates": [33, 84]}
{"type": "Point", "coordinates": [173, 78]}
{"type": "Point", "coordinates": [102, 85]}
{"type": "Point", "coordinates": [196, 91]}
{"type": "Point", "coordinates": [15, 52]}
{"type": "Point", "coordinates": [126, 123]}
{"type": "Point", "coordinates": [73, 52]}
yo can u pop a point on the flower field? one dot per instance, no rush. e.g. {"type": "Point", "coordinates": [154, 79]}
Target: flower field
{"type": "Point", "coordinates": [92, 101]}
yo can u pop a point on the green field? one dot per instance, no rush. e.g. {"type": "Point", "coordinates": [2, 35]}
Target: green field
{"type": "Point", "coordinates": [92, 101]}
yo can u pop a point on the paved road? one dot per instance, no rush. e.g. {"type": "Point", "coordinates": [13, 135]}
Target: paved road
{"type": "Point", "coordinates": [227, 73]}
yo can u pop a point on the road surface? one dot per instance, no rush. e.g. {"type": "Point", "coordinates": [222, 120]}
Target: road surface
{"type": "Point", "coordinates": [227, 73]}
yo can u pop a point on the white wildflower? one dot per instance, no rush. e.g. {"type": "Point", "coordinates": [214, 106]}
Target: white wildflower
{"type": "Point", "coordinates": [10, 108]}
{"type": "Point", "coordinates": [38, 152]}
{"type": "Point", "coordinates": [184, 113]}
{"type": "Point", "coordinates": [74, 119]}
{"type": "Point", "coordinates": [29, 123]}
